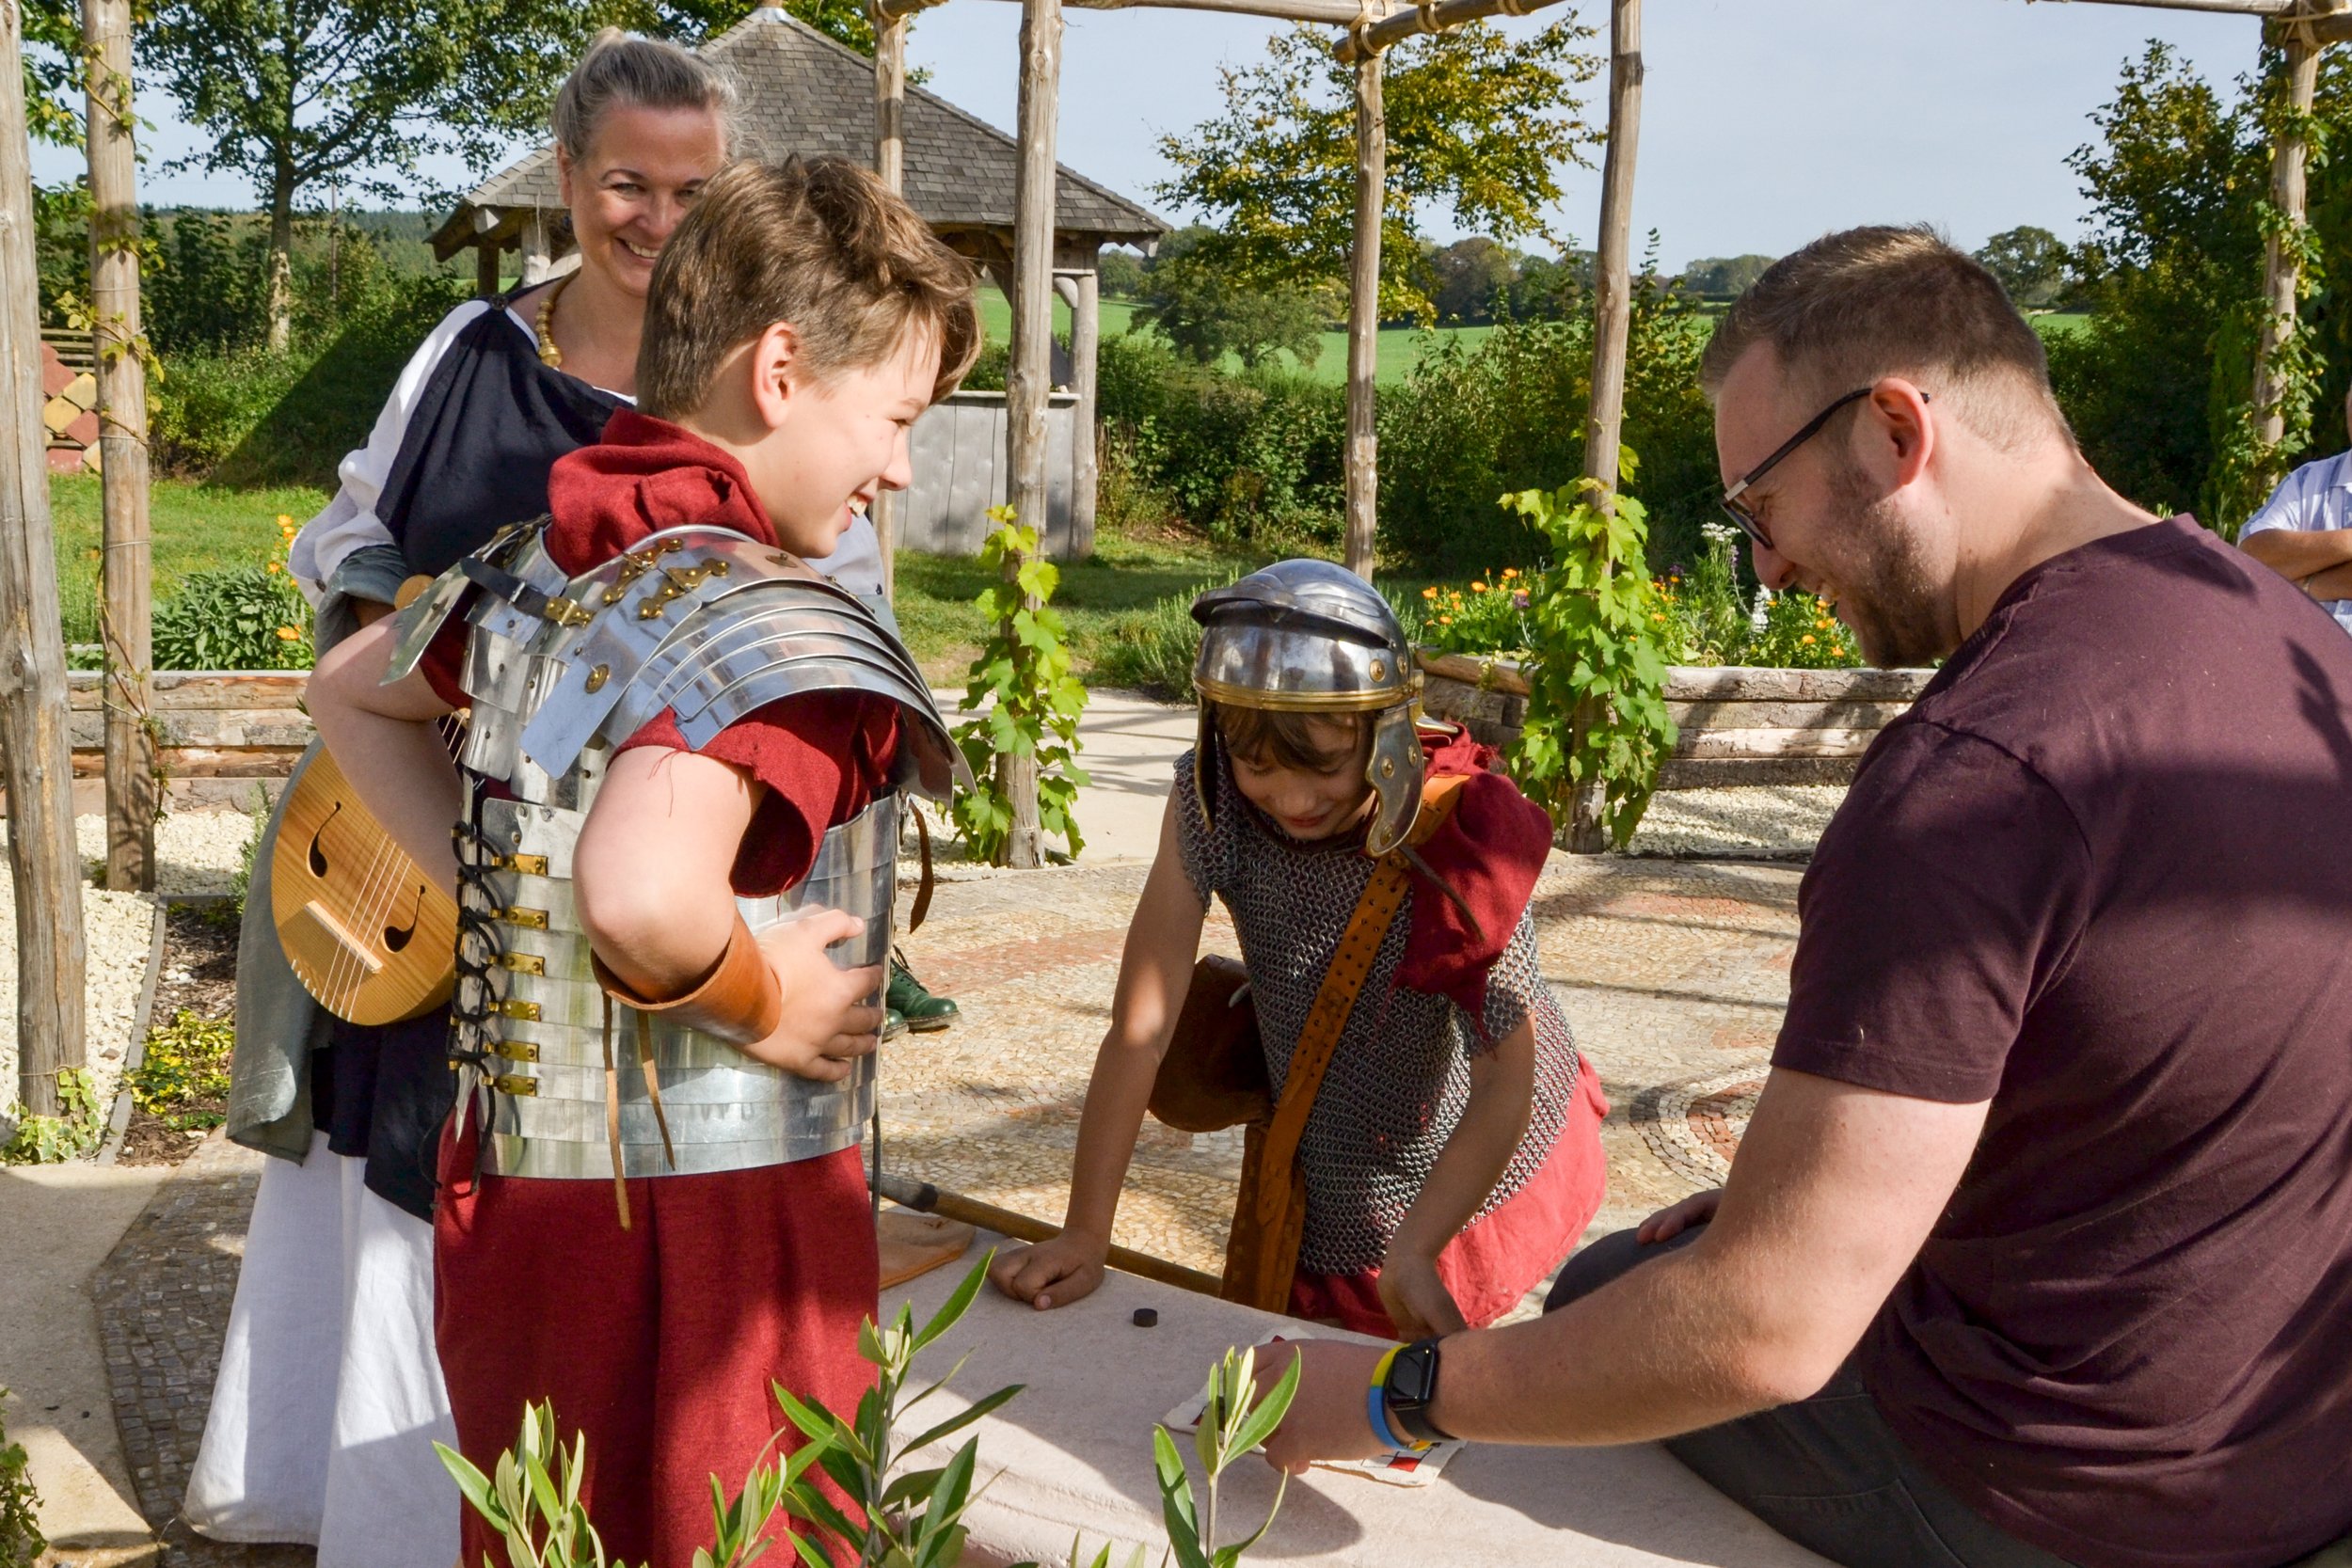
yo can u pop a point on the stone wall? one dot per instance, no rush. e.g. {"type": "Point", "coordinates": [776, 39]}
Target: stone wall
{"type": "Point", "coordinates": [1739, 725]}
{"type": "Point", "coordinates": [224, 733]}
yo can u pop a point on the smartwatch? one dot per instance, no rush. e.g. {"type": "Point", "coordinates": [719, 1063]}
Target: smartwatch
{"type": "Point", "coordinates": [1411, 1386]}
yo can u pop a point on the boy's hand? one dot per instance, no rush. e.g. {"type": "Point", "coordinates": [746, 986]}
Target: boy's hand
{"type": "Point", "coordinates": [1418, 1302]}
{"type": "Point", "coordinates": [827, 1024]}
{"type": "Point", "coordinates": [1052, 1274]}
{"type": "Point", "coordinates": [1672, 1221]}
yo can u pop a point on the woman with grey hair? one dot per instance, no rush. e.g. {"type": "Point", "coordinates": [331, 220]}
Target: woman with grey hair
{"type": "Point", "coordinates": [329, 1391]}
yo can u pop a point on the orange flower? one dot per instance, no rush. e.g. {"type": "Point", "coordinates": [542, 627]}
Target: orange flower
{"type": "Point", "coordinates": [1429, 592]}
{"type": "Point", "coordinates": [275, 568]}
{"type": "Point", "coordinates": [1445, 620]}
{"type": "Point", "coordinates": [1478, 588]}
{"type": "Point", "coordinates": [287, 634]}
{"type": "Point", "coordinates": [285, 522]}
{"type": "Point", "coordinates": [1807, 641]}
{"type": "Point", "coordinates": [1510, 572]}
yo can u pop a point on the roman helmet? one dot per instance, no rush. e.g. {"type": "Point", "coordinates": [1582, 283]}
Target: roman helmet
{"type": "Point", "coordinates": [1309, 637]}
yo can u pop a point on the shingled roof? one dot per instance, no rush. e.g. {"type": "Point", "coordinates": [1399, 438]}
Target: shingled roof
{"type": "Point", "coordinates": [802, 92]}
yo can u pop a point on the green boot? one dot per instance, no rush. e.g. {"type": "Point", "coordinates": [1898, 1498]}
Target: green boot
{"type": "Point", "coordinates": [908, 997]}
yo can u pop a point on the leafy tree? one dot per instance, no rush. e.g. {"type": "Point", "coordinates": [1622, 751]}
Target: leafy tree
{"type": "Point", "coordinates": [2031, 262]}
{"type": "Point", "coordinates": [1123, 273]}
{"type": "Point", "coordinates": [1471, 276]}
{"type": "Point", "coordinates": [1478, 124]}
{"type": "Point", "coordinates": [1207, 313]}
{"type": "Point", "coordinates": [294, 93]}
{"type": "Point", "coordinates": [1725, 274]}
{"type": "Point", "coordinates": [52, 84]}
{"type": "Point", "coordinates": [1549, 288]}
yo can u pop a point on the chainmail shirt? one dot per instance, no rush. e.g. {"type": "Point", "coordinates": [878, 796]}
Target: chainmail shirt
{"type": "Point", "coordinates": [1400, 1077]}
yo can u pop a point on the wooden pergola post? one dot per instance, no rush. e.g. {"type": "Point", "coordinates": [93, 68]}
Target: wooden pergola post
{"type": "Point", "coordinates": [2283, 261]}
{"type": "Point", "coordinates": [1612, 314]}
{"type": "Point", "coordinates": [1083, 289]}
{"type": "Point", "coordinates": [1363, 318]}
{"type": "Point", "coordinates": [1028, 379]}
{"type": "Point", "coordinates": [122, 374]}
{"type": "Point", "coordinates": [890, 163]}
{"type": "Point", "coordinates": [44, 867]}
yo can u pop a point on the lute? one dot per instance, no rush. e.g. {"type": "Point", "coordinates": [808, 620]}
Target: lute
{"type": "Point", "coordinates": [363, 929]}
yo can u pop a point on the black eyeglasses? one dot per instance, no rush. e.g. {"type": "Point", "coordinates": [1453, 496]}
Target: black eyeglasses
{"type": "Point", "coordinates": [1739, 514]}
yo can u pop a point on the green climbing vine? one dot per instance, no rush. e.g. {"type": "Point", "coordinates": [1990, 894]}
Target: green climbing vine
{"type": "Point", "coordinates": [1023, 697]}
{"type": "Point", "coordinates": [2246, 466]}
{"type": "Point", "coordinates": [1594, 667]}
{"type": "Point", "coordinates": [52, 1140]}
{"type": "Point", "coordinates": [20, 1541]}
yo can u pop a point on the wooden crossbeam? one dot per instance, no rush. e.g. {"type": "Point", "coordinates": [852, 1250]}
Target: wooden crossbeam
{"type": "Point", "coordinates": [1342, 13]}
{"type": "Point", "coordinates": [1399, 26]}
{"type": "Point", "coordinates": [2232, 8]}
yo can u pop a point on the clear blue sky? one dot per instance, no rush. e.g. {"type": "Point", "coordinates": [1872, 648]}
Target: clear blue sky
{"type": "Point", "coordinates": [1766, 121]}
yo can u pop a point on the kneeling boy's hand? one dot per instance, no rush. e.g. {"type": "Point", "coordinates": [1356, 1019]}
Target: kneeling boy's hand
{"type": "Point", "coordinates": [1418, 1302]}
{"type": "Point", "coordinates": [1052, 1274]}
{"type": "Point", "coordinates": [827, 1024]}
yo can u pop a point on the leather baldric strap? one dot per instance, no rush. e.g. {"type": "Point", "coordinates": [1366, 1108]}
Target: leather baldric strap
{"type": "Point", "coordinates": [1261, 1258]}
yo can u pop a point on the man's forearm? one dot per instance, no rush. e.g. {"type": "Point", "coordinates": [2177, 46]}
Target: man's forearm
{"type": "Point", "coordinates": [2296, 554]}
{"type": "Point", "coordinates": [1664, 1349]}
{"type": "Point", "coordinates": [2333, 583]}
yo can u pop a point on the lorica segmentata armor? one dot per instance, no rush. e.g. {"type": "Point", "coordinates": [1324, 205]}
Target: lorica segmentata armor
{"type": "Point", "coordinates": [710, 625]}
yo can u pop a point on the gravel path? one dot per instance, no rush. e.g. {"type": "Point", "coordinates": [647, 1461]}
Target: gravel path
{"type": "Point", "coordinates": [1762, 821]}
{"type": "Point", "coordinates": [196, 852]}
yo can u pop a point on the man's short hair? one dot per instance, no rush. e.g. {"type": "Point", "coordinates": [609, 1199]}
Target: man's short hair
{"type": "Point", "coordinates": [1866, 303]}
{"type": "Point", "coordinates": [821, 243]}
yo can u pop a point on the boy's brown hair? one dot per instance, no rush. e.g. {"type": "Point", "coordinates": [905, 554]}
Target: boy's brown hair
{"type": "Point", "coordinates": [1864, 303]}
{"type": "Point", "coordinates": [820, 244]}
{"type": "Point", "coordinates": [1278, 738]}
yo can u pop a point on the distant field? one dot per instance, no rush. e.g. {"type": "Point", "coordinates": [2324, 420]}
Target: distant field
{"type": "Point", "coordinates": [2061, 323]}
{"type": "Point", "coordinates": [1401, 348]}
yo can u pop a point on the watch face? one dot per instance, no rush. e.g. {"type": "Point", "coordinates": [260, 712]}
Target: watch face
{"type": "Point", "coordinates": [1411, 1374]}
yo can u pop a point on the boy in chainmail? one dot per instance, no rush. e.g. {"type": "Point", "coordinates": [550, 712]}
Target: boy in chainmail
{"type": "Point", "coordinates": [1452, 1154]}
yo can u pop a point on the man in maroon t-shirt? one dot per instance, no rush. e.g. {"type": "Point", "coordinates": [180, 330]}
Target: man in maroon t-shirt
{"type": "Point", "coordinates": [2039, 1246]}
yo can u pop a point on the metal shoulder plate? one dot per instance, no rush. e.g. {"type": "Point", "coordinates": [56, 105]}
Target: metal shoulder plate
{"type": "Point", "coordinates": [713, 624]}
{"type": "Point", "coordinates": [515, 566]}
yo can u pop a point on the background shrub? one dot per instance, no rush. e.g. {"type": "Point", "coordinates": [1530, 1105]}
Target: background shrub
{"type": "Point", "coordinates": [235, 618]}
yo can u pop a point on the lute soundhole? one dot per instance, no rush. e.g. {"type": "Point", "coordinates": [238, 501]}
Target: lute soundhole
{"type": "Point", "coordinates": [318, 852]}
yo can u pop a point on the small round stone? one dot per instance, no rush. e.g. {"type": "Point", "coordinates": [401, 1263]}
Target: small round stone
{"type": "Point", "coordinates": [1146, 1316]}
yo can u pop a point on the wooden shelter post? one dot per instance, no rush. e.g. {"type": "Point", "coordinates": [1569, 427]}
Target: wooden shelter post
{"type": "Point", "coordinates": [1083, 289]}
{"type": "Point", "coordinates": [890, 163]}
{"type": "Point", "coordinates": [1363, 318]}
{"type": "Point", "coordinates": [1613, 312]}
{"type": "Point", "coordinates": [45, 868]}
{"type": "Point", "coordinates": [1028, 379]}
{"type": "Point", "coordinates": [487, 276]}
{"type": "Point", "coordinates": [127, 634]}
{"type": "Point", "coordinates": [2283, 261]}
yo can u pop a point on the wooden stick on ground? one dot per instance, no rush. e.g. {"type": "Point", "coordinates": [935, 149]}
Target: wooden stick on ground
{"type": "Point", "coordinates": [926, 1199]}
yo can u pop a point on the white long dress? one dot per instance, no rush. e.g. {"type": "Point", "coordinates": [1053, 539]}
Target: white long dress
{"type": "Point", "coordinates": [329, 1396]}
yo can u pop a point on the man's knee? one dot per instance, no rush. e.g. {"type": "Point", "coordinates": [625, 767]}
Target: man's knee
{"type": "Point", "coordinates": [1605, 1259]}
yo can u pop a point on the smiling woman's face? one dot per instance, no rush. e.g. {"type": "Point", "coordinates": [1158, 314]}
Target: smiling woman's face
{"type": "Point", "coordinates": [626, 196]}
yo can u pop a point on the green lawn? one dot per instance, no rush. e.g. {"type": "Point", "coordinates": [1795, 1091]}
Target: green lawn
{"type": "Point", "coordinates": [196, 526]}
{"type": "Point", "coordinates": [2061, 323]}
{"type": "Point", "coordinates": [1401, 347]}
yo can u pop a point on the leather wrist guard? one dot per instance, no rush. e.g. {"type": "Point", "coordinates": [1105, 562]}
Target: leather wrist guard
{"type": "Point", "coordinates": [739, 1000]}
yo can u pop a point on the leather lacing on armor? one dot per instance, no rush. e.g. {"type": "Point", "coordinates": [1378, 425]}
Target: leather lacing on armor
{"type": "Point", "coordinates": [473, 996]}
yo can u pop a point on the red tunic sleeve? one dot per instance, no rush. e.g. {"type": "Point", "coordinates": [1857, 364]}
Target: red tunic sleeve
{"type": "Point", "coordinates": [823, 758]}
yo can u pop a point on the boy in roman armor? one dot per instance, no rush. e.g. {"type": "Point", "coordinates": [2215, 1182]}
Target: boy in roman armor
{"type": "Point", "coordinates": [1425, 1096]}
{"type": "Point", "coordinates": [678, 804]}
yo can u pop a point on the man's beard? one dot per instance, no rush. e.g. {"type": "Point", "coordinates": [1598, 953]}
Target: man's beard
{"type": "Point", "coordinates": [1885, 593]}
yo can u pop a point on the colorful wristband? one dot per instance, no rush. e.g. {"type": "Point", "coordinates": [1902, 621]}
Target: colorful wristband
{"type": "Point", "coordinates": [1376, 1407]}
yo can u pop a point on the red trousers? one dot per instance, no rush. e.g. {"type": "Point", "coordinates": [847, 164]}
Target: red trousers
{"type": "Point", "coordinates": [657, 1342]}
{"type": "Point", "coordinates": [1500, 1256]}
